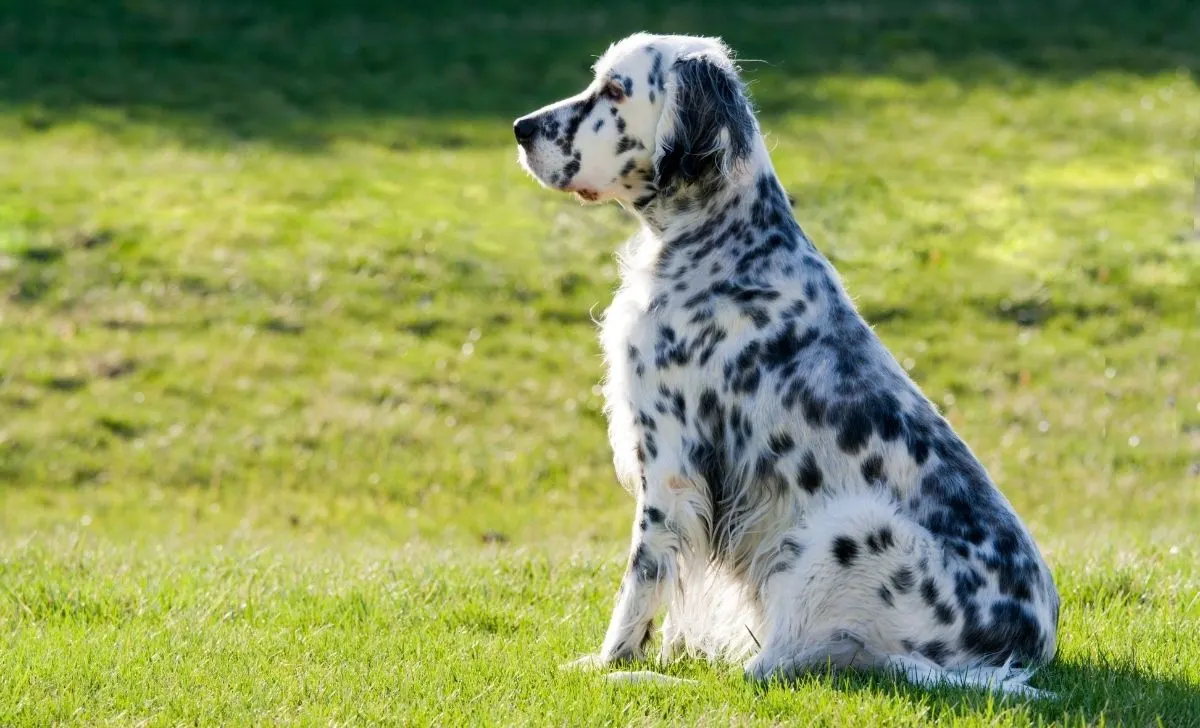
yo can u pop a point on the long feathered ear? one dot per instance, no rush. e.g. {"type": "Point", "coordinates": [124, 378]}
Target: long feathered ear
{"type": "Point", "coordinates": [707, 126]}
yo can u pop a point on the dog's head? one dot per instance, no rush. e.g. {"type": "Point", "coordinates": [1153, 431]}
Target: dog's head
{"type": "Point", "coordinates": [662, 112]}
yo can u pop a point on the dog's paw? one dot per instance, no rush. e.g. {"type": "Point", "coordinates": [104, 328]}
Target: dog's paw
{"type": "Point", "coordinates": [647, 676]}
{"type": "Point", "coordinates": [604, 659]}
{"type": "Point", "coordinates": [765, 668]}
{"type": "Point", "coordinates": [586, 663]}
{"type": "Point", "coordinates": [757, 670]}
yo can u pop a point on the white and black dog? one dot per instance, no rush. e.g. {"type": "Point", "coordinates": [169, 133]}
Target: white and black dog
{"type": "Point", "coordinates": [797, 495]}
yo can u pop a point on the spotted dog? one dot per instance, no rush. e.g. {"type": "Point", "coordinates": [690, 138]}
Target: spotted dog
{"type": "Point", "coordinates": [799, 501]}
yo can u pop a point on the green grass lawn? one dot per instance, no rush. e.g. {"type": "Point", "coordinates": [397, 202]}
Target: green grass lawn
{"type": "Point", "coordinates": [298, 408]}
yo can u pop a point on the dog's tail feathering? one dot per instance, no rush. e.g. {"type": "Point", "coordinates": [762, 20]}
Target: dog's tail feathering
{"type": "Point", "coordinates": [916, 669]}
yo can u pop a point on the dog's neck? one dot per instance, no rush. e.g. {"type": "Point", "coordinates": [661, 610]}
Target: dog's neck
{"type": "Point", "coordinates": [681, 206]}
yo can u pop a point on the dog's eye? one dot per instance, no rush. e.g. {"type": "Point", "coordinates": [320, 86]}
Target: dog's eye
{"type": "Point", "coordinates": [613, 91]}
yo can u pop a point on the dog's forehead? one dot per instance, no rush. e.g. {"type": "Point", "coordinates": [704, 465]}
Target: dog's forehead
{"type": "Point", "coordinates": [642, 51]}
{"type": "Point", "coordinates": [626, 55]}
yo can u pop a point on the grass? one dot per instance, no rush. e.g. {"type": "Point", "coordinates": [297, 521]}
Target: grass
{"type": "Point", "coordinates": [287, 336]}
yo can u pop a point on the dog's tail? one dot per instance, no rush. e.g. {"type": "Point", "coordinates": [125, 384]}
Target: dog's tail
{"type": "Point", "coordinates": [1003, 679]}
{"type": "Point", "coordinates": [846, 650]}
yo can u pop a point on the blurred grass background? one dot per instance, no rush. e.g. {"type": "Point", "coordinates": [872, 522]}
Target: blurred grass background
{"type": "Point", "coordinates": [274, 261]}
{"type": "Point", "coordinates": [270, 278]}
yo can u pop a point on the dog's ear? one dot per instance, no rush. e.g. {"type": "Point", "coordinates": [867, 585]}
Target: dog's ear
{"type": "Point", "coordinates": [707, 125]}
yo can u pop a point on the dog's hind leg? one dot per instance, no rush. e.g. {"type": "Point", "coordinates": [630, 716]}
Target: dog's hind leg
{"type": "Point", "coordinates": [828, 595]}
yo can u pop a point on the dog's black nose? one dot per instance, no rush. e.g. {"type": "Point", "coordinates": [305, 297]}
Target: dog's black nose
{"type": "Point", "coordinates": [525, 129]}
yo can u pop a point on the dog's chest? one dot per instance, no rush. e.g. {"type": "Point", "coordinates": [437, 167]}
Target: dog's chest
{"type": "Point", "coordinates": [669, 341]}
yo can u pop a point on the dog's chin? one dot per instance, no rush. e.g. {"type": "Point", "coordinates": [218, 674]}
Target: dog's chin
{"type": "Point", "coordinates": [523, 160]}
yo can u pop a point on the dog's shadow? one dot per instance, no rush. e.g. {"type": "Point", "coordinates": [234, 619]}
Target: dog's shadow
{"type": "Point", "coordinates": [1088, 692]}
{"type": "Point", "coordinates": [1091, 691]}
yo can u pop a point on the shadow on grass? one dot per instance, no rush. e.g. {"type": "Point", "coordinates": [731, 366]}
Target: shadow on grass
{"type": "Point", "coordinates": [296, 72]}
{"type": "Point", "coordinates": [1087, 692]}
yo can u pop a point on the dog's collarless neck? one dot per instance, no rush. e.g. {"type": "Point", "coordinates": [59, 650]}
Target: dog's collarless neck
{"type": "Point", "coordinates": [674, 211]}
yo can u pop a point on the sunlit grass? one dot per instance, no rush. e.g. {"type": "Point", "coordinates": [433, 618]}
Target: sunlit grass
{"type": "Point", "coordinates": [287, 334]}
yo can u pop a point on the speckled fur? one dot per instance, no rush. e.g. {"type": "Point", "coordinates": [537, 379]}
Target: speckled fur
{"type": "Point", "coordinates": [799, 501]}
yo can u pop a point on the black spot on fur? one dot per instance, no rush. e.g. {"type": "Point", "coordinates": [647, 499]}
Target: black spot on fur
{"type": "Point", "coordinates": [678, 406]}
{"type": "Point", "coordinates": [598, 125]}
{"type": "Point", "coordinates": [579, 112]}
{"type": "Point", "coordinates": [795, 309]}
{"type": "Point", "coordinates": [644, 567]}
{"type": "Point", "coordinates": [1011, 631]}
{"type": "Point", "coordinates": [814, 411]}
{"type": "Point", "coordinates": [845, 550]}
{"type": "Point", "coordinates": [740, 427]}
{"type": "Point", "coordinates": [657, 78]}
{"type": "Point", "coordinates": [880, 540]}
{"type": "Point", "coordinates": [809, 475]}
{"type": "Point", "coordinates": [627, 143]}
{"type": "Point", "coordinates": [886, 595]}
{"type": "Point", "coordinates": [740, 294]}
{"type": "Point", "coordinates": [936, 651]}
{"type": "Point", "coordinates": [742, 373]}
{"type": "Point", "coordinates": [929, 592]}
{"type": "Point", "coordinates": [781, 349]}
{"type": "Point", "coordinates": [708, 456]}
{"type": "Point", "coordinates": [768, 476]}
{"type": "Point", "coordinates": [758, 316]}
{"type": "Point", "coordinates": [655, 515]}
{"type": "Point", "coordinates": [854, 431]}
{"type": "Point", "coordinates": [904, 580]}
{"type": "Point", "coordinates": [872, 469]}
{"type": "Point", "coordinates": [917, 435]}
{"type": "Point", "coordinates": [570, 170]}
{"type": "Point", "coordinates": [884, 413]}
{"type": "Point", "coordinates": [943, 613]}
{"type": "Point", "coordinates": [781, 443]}
{"type": "Point", "coordinates": [966, 584]}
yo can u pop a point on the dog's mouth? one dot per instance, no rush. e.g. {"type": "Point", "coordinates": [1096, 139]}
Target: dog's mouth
{"type": "Point", "coordinates": [526, 159]}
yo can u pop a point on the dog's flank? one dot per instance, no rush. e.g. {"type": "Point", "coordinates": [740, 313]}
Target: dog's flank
{"type": "Point", "coordinates": [793, 486]}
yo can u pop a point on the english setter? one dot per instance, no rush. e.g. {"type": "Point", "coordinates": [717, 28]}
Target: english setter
{"type": "Point", "coordinates": [798, 498]}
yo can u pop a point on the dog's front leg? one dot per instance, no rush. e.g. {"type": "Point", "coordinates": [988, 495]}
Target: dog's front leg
{"type": "Point", "coordinates": [648, 577]}
{"type": "Point", "coordinates": [651, 560]}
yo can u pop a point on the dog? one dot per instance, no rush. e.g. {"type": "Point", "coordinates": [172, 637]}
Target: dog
{"type": "Point", "coordinates": [800, 503]}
